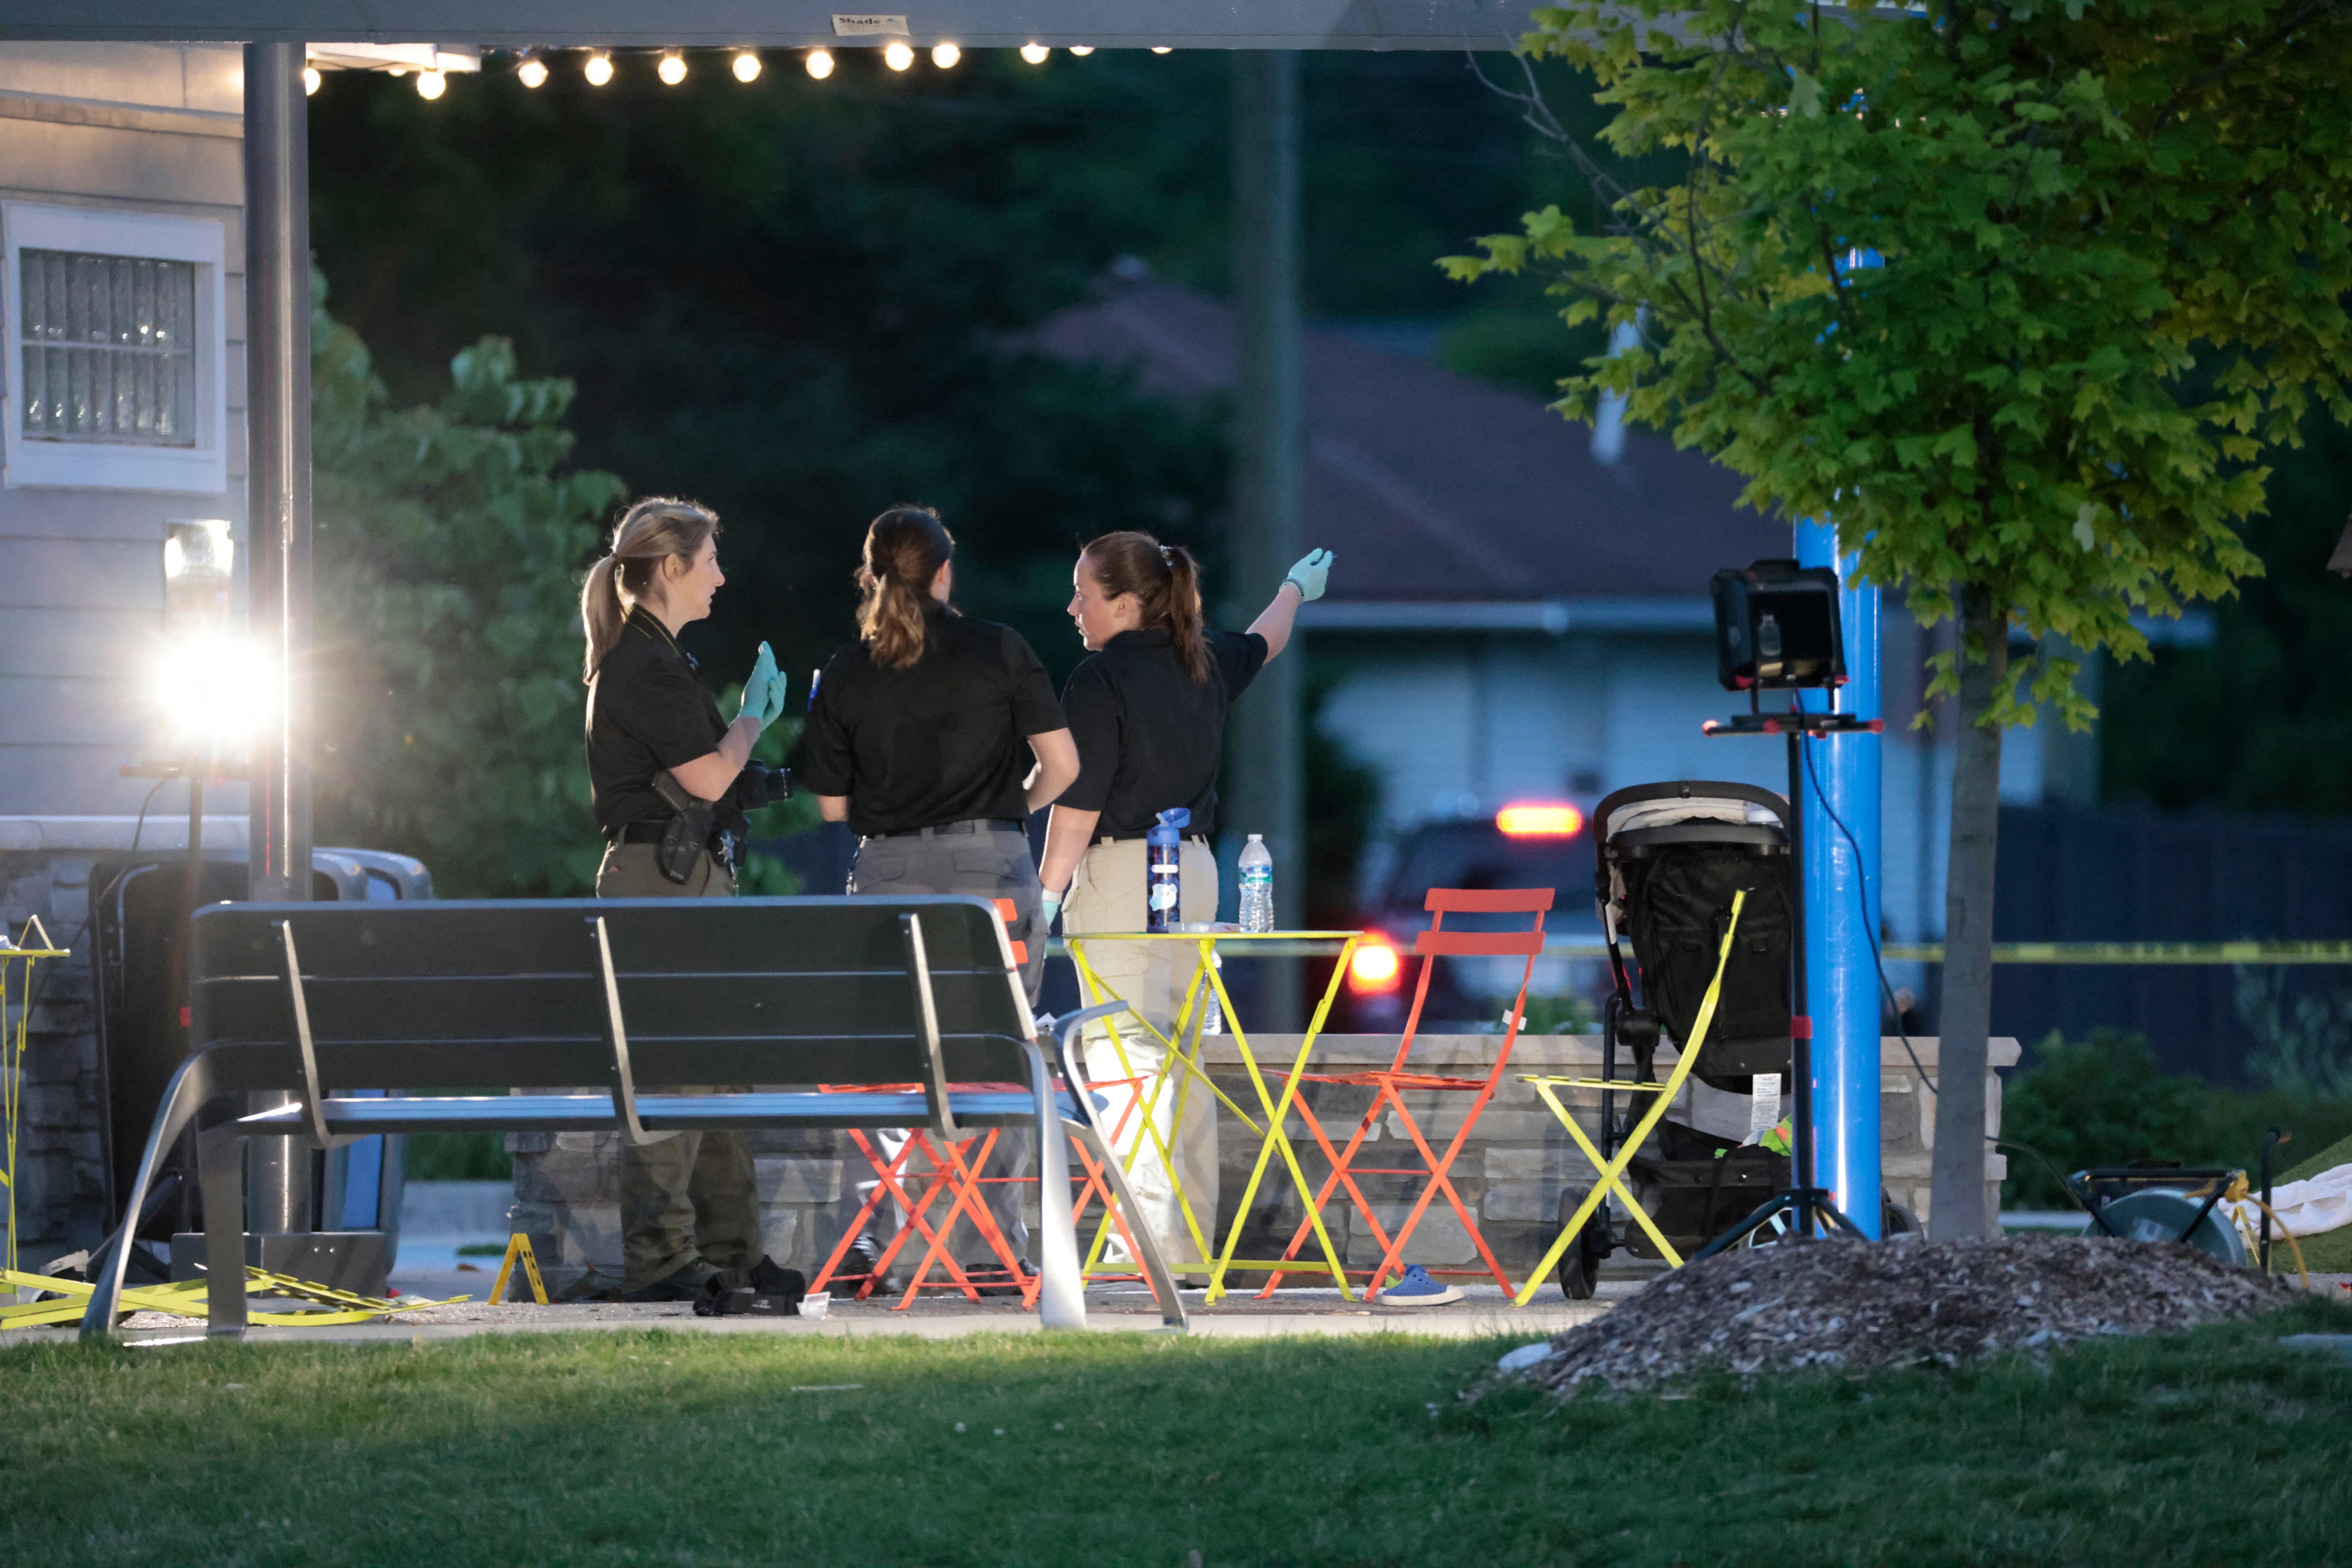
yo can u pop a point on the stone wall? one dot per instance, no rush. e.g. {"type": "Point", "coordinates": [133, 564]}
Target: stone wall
{"type": "Point", "coordinates": [45, 861]}
{"type": "Point", "coordinates": [1510, 1174]}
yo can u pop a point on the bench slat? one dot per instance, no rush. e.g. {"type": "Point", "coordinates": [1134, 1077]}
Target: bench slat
{"type": "Point", "coordinates": [658, 1113]}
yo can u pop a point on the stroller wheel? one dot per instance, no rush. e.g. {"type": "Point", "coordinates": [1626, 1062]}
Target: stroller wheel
{"type": "Point", "coordinates": [1579, 1266]}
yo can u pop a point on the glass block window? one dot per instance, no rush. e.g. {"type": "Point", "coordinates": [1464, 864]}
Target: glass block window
{"type": "Point", "coordinates": [109, 347]}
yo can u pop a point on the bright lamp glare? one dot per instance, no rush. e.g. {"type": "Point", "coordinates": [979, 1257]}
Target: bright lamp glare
{"type": "Point", "coordinates": [945, 56]}
{"type": "Point", "coordinates": [598, 71]}
{"type": "Point", "coordinates": [820, 63]}
{"type": "Point", "coordinates": [672, 69]}
{"type": "Point", "coordinates": [214, 689]}
{"type": "Point", "coordinates": [532, 72]}
{"type": "Point", "coordinates": [310, 80]}
{"type": "Point", "coordinates": [1376, 967]}
{"type": "Point", "coordinates": [747, 65]}
{"type": "Point", "coordinates": [1162, 49]}
{"type": "Point", "coordinates": [1540, 820]}
{"type": "Point", "coordinates": [431, 84]}
{"type": "Point", "coordinates": [1082, 50]}
{"type": "Point", "coordinates": [898, 57]}
{"type": "Point", "coordinates": [1035, 53]}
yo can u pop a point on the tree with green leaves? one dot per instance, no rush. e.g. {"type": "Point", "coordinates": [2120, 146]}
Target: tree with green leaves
{"type": "Point", "coordinates": [449, 554]}
{"type": "Point", "coordinates": [2114, 247]}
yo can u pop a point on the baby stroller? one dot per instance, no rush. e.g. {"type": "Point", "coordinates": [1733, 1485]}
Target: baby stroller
{"type": "Point", "coordinates": [1670, 857]}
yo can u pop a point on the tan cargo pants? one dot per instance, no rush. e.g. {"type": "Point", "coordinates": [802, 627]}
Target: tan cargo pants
{"type": "Point", "coordinates": [704, 1178]}
{"type": "Point", "coordinates": [1107, 894]}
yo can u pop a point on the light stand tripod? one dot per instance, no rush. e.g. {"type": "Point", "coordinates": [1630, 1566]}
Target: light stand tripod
{"type": "Point", "coordinates": [1805, 1204]}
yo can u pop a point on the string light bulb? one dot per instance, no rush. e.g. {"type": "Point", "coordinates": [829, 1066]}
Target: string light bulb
{"type": "Point", "coordinates": [310, 80]}
{"type": "Point", "coordinates": [820, 63]}
{"type": "Point", "coordinates": [1035, 53]}
{"type": "Point", "coordinates": [945, 56]}
{"type": "Point", "coordinates": [598, 71]}
{"type": "Point", "coordinates": [672, 69]}
{"type": "Point", "coordinates": [532, 72]}
{"type": "Point", "coordinates": [431, 85]}
{"type": "Point", "coordinates": [1082, 50]}
{"type": "Point", "coordinates": [897, 55]}
{"type": "Point", "coordinates": [747, 65]}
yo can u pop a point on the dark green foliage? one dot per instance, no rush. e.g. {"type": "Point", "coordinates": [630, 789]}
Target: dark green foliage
{"type": "Point", "coordinates": [2103, 1100]}
{"type": "Point", "coordinates": [2262, 720]}
{"type": "Point", "coordinates": [458, 1156]}
{"type": "Point", "coordinates": [1094, 1449]}
{"type": "Point", "coordinates": [450, 540]}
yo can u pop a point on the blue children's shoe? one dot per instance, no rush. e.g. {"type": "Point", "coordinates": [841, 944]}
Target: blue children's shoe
{"type": "Point", "coordinates": [1418, 1289]}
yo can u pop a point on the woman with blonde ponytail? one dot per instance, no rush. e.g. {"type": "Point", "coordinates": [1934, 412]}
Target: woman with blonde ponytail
{"type": "Point", "coordinates": [1147, 709]}
{"type": "Point", "coordinates": [654, 730]}
{"type": "Point", "coordinates": [935, 735]}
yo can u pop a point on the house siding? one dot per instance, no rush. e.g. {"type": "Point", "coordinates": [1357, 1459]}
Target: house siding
{"type": "Point", "coordinates": [131, 128]}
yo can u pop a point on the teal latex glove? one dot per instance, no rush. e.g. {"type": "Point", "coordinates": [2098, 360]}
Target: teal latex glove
{"type": "Point", "coordinates": [1051, 909]}
{"type": "Point", "coordinates": [763, 690]}
{"type": "Point", "coordinates": [1308, 574]}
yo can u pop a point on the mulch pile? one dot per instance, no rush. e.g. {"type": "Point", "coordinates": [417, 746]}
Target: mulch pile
{"type": "Point", "coordinates": [1862, 1307]}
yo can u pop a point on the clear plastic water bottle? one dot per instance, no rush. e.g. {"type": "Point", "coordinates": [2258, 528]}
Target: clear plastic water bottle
{"type": "Point", "coordinates": [1257, 886]}
{"type": "Point", "coordinates": [1213, 1012]}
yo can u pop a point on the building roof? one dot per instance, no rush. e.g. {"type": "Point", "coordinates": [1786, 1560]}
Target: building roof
{"type": "Point", "coordinates": [1454, 505]}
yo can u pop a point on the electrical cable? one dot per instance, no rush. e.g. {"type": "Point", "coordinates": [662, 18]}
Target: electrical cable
{"type": "Point", "coordinates": [1869, 926]}
{"type": "Point", "coordinates": [89, 911]}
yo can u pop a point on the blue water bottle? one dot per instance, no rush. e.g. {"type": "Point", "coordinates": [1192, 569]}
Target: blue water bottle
{"type": "Point", "coordinates": [1164, 852]}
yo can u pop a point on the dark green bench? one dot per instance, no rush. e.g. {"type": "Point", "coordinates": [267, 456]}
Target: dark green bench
{"type": "Point", "coordinates": [473, 1001]}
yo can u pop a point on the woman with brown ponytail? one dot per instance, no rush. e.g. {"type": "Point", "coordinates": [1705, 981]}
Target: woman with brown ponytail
{"type": "Point", "coordinates": [1147, 707]}
{"type": "Point", "coordinates": [650, 715]}
{"type": "Point", "coordinates": [935, 735]}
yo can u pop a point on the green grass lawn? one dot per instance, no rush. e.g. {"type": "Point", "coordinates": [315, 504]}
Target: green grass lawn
{"type": "Point", "coordinates": [610, 1448]}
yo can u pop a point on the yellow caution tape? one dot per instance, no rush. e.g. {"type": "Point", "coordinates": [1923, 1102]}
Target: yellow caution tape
{"type": "Point", "coordinates": [186, 1298]}
{"type": "Point", "coordinates": [519, 1246]}
{"type": "Point", "coordinates": [2261, 953]}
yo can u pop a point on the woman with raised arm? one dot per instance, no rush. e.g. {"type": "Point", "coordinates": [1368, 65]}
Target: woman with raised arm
{"type": "Point", "coordinates": [935, 735]}
{"type": "Point", "coordinates": [1147, 707]}
{"type": "Point", "coordinates": [655, 739]}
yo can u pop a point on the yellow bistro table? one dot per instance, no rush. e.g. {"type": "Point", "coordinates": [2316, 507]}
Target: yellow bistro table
{"type": "Point", "coordinates": [1181, 1045]}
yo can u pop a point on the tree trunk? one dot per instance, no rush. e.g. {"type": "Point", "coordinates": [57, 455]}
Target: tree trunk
{"type": "Point", "coordinates": [1956, 1198]}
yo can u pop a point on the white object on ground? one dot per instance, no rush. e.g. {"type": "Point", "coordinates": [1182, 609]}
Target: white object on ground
{"type": "Point", "coordinates": [2307, 1207]}
{"type": "Point", "coordinates": [1527, 1355]}
{"type": "Point", "coordinates": [814, 1304]}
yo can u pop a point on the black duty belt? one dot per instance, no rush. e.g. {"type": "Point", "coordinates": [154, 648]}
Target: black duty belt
{"type": "Point", "coordinates": [969, 825]}
{"type": "Point", "coordinates": [651, 833]}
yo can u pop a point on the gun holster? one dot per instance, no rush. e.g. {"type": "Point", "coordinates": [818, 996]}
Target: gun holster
{"type": "Point", "coordinates": [688, 834]}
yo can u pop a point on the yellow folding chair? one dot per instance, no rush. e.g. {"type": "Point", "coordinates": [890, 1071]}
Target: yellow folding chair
{"type": "Point", "coordinates": [1613, 1171]}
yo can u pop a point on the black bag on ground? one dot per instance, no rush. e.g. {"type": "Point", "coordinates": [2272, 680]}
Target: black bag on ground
{"type": "Point", "coordinates": [764, 1290]}
{"type": "Point", "coordinates": [1677, 902]}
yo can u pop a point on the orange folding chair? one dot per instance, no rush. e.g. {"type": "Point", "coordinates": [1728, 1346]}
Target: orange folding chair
{"type": "Point", "coordinates": [1389, 1086]}
{"type": "Point", "coordinates": [951, 1174]}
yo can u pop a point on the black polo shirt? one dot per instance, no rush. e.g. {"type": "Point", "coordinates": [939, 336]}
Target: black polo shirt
{"type": "Point", "coordinates": [1150, 737]}
{"type": "Point", "coordinates": [941, 741]}
{"type": "Point", "coordinates": [647, 710]}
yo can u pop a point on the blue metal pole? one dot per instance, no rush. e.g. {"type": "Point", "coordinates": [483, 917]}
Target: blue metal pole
{"type": "Point", "coordinates": [1842, 904]}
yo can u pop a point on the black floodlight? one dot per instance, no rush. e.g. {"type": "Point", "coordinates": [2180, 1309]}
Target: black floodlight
{"type": "Point", "coordinates": [1776, 626]}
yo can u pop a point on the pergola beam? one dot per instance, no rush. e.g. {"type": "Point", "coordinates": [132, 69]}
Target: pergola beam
{"type": "Point", "coordinates": [785, 24]}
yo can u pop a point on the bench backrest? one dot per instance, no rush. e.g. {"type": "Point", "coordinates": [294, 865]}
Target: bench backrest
{"type": "Point", "coordinates": [492, 995]}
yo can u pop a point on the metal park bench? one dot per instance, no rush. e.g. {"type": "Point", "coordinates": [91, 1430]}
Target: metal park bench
{"type": "Point", "coordinates": [437, 1017]}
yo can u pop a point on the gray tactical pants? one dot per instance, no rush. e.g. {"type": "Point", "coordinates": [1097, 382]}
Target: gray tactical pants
{"type": "Point", "coordinates": [992, 864]}
{"type": "Point", "coordinates": [706, 1175]}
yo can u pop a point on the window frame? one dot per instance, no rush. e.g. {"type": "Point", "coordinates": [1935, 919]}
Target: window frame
{"type": "Point", "coordinates": [200, 469]}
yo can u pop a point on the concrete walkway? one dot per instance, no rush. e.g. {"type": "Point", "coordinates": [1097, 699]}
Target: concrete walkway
{"type": "Point", "coordinates": [1115, 1310]}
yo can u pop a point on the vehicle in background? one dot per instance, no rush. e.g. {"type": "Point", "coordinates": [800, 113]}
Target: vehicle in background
{"type": "Point", "coordinates": [1528, 843]}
